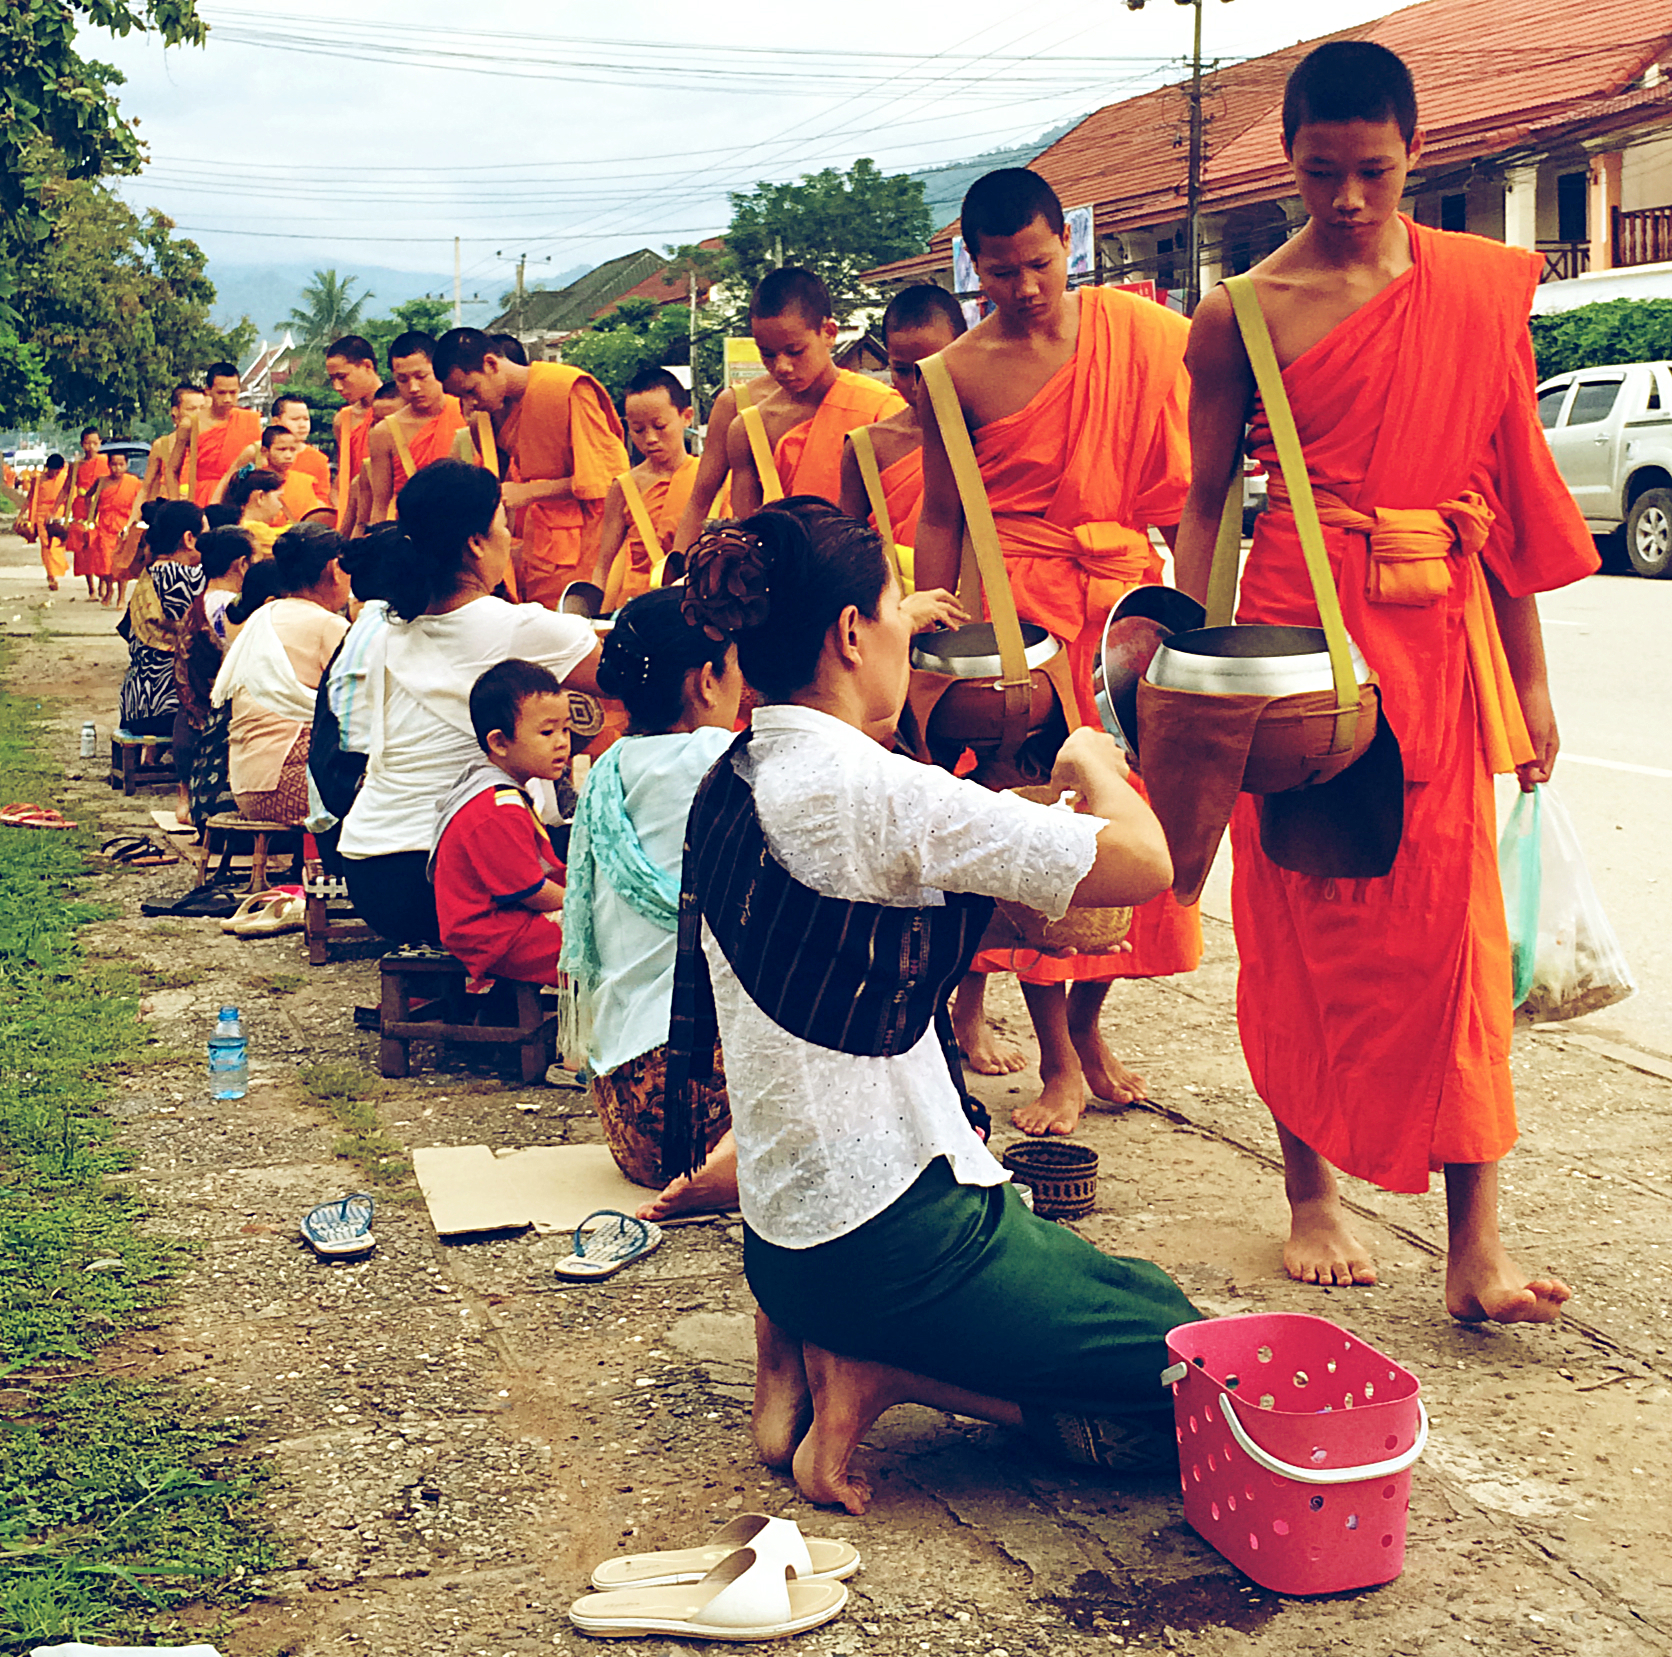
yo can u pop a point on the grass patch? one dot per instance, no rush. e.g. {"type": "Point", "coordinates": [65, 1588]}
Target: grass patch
{"type": "Point", "coordinates": [351, 1096]}
{"type": "Point", "coordinates": [118, 1502]}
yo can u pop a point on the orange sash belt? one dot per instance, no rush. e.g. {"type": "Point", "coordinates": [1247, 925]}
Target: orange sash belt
{"type": "Point", "coordinates": [1411, 562]}
{"type": "Point", "coordinates": [1114, 557]}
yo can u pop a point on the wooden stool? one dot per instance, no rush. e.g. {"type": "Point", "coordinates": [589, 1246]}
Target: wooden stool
{"type": "Point", "coordinates": [219, 832]}
{"type": "Point", "coordinates": [433, 976]}
{"type": "Point", "coordinates": [140, 761]}
{"type": "Point", "coordinates": [330, 917]}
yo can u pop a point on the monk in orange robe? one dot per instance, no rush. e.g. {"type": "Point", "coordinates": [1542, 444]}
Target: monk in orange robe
{"type": "Point", "coordinates": [85, 477]}
{"type": "Point", "coordinates": [351, 368]}
{"type": "Point", "coordinates": [214, 439]}
{"type": "Point", "coordinates": [416, 435]}
{"type": "Point", "coordinates": [1376, 1014]}
{"type": "Point", "coordinates": [294, 416]}
{"type": "Point", "coordinates": [115, 500]}
{"type": "Point", "coordinates": [658, 413]}
{"type": "Point", "coordinates": [920, 320]}
{"type": "Point", "coordinates": [560, 438]}
{"type": "Point", "coordinates": [1077, 405]}
{"type": "Point", "coordinates": [43, 514]}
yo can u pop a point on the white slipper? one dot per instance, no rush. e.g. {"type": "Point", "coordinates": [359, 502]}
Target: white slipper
{"type": "Point", "coordinates": [742, 1598]}
{"type": "Point", "coordinates": [777, 1541]}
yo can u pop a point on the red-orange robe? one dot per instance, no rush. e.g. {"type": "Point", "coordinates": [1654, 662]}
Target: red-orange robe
{"type": "Point", "coordinates": [85, 477]}
{"type": "Point", "coordinates": [1376, 1014]}
{"type": "Point", "coordinates": [809, 456]}
{"type": "Point", "coordinates": [313, 465]}
{"type": "Point", "coordinates": [218, 447]}
{"type": "Point", "coordinates": [45, 506]}
{"type": "Point", "coordinates": [664, 499]}
{"type": "Point", "coordinates": [302, 493]}
{"type": "Point", "coordinates": [116, 506]}
{"type": "Point", "coordinates": [1075, 478]}
{"type": "Point", "coordinates": [432, 441]}
{"type": "Point", "coordinates": [902, 493]}
{"type": "Point", "coordinates": [563, 426]}
{"type": "Point", "coordinates": [354, 436]}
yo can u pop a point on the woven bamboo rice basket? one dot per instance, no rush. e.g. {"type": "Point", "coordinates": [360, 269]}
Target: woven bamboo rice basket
{"type": "Point", "coordinates": [1079, 932]}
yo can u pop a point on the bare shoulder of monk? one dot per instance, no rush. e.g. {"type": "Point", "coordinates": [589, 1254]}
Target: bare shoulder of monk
{"type": "Point", "coordinates": [782, 411]}
{"type": "Point", "coordinates": [896, 437]}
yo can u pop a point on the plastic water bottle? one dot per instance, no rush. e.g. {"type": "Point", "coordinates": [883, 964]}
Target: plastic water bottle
{"type": "Point", "coordinates": [89, 739]}
{"type": "Point", "coordinates": [229, 1058]}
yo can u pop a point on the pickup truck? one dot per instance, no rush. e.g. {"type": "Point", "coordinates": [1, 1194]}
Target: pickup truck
{"type": "Point", "coordinates": [1610, 430]}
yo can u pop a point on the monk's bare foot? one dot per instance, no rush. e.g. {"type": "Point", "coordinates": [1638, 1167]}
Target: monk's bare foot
{"type": "Point", "coordinates": [1057, 1109]}
{"type": "Point", "coordinates": [1322, 1250]}
{"type": "Point", "coordinates": [783, 1404]}
{"type": "Point", "coordinates": [1485, 1286]}
{"type": "Point", "coordinates": [1106, 1077]}
{"type": "Point", "coordinates": [713, 1186]}
{"type": "Point", "coordinates": [987, 1053]}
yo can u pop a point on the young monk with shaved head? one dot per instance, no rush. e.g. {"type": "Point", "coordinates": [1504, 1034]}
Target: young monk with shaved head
{"type": "Point", "coordinates": [351, 368]}
{"type": "Point", "coordinates": [184, 406]}
{"type": "Point", "coordinates": [206, 448]}
{"type": "Point", "coordinates": [560, 439]}
{"type": "Point", "coordinates": [1076, 405]}
{"type": "Point", "coordinates": [420, 433]}
{"type": "Point", "coordinates": [1376, 1014]}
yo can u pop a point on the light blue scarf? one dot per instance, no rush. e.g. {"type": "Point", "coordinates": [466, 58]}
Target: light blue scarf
{"type": "Point", "coordinates": [602, 841]}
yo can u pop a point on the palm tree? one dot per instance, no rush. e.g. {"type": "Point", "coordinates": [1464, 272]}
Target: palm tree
{"type": "Point", "coordinates": [329, 309]}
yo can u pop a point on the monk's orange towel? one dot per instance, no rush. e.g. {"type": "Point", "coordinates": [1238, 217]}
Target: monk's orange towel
{"type": "Point", "coordinates": [1101, 451]}
{"type": "Point", "coordinates": [1375, 1014]}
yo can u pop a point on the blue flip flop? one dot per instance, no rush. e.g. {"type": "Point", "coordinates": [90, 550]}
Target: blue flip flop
{"type": "Point", "coordinates": [339, 1228]}
{"type": "Point", "coordinates": [602, 1249]}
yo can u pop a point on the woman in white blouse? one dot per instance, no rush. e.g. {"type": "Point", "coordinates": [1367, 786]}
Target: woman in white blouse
{"type": "Point", "coordinates": [890, 1257]}
{"type": "Point", "coordinates": [400, 687]}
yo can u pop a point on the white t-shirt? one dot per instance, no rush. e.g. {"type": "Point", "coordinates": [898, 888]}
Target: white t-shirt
{"type": "Point", "coordinates": [660, 776]}
{"type": "Point", "coordinates": [410, 707]}
{"type": "Point", "coordinates": [827, 1140]}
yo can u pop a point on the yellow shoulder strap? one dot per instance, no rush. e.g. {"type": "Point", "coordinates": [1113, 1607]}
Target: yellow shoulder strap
{"type": "Point", "coordinates": [865, 452]}
{"type": "Point", "coordinates": [1268, 377]}
{"type": "Point", "coordinates": [486, 447]}
{"type": "Point", "coordinates": [189, 492]}
{"type": "Point", "coordinates": [981, 533]}
{"type": "Point", "coordinates": [402, 447]}
{"type": "Point", "coordinates": [772, 487]}
{"type": "Point", "coordinates": [640, 514]}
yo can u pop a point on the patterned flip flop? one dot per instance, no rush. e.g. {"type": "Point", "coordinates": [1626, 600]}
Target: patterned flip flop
{"type": "Point", "coordinates": [339, 1228]}
{"type": "Point", "coordinates": [602, 1249]}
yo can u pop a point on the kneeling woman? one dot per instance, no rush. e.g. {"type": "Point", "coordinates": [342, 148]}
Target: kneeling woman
{"type": "Point", "coordinates": [621, 905]}
{"type": "Point", "coordinates": [289, 626]}
{"type": "Point", "coordinates": [834, 894]}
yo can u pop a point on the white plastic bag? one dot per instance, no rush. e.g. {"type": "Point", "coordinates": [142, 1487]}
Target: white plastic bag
{"type": "Point", "coordinates": [1578, 966]}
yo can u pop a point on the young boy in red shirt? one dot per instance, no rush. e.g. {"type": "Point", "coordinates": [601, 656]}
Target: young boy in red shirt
{"type": "Point", "coordinates": [498, 883]}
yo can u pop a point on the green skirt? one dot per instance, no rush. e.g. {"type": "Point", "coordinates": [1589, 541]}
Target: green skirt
{"type": "Point", "coordinates": [964, 1284]}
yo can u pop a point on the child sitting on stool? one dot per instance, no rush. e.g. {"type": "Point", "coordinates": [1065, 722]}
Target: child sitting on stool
{"type": "Point", "coordinates": [498, 882]}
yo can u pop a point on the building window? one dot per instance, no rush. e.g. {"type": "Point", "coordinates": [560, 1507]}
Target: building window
{"type": "Point", "coordinates": [1164, 273]}
{"type": "Point", "coordinates": [1572, 202]}
{"type": "Point", "coordinates": [1454, 212]}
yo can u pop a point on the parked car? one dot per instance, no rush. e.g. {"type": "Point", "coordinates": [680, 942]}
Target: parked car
{"type": "Point", "coordinates": [1610, 430]}
{"type": "Point", "coordinates": [138, 452]}
{"type": "Point", "coordinates": [29, 460]}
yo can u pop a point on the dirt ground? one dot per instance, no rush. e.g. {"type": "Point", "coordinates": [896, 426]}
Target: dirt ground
{"type": "Point", "coordinates": [456, 1440]}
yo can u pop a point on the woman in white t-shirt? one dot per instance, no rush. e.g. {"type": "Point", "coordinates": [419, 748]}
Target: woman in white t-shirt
{"type": "Point", "coordinates": [621, 902]}
{"type": "Point", "coordinates": [833, 893]}
{"type": "Point", "coordinates": [400, 687]}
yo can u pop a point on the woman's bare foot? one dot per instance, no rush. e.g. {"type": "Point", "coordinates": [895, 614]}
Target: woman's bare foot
{"type": "Point", "coordinates": [783, 1404]}
{"type": "Point", "coordinates": [1061, 1101]}
{"type": "Point", "coordinates": [848, 1396]}
{"type": "Point", "coordinates": [1322, 1250]}
{"type": "Point", "coordinates": [983, 1051]}
{"type": "Point", "coordinates": [1488, 1286]}
{"type": "Point", "coordinates": [712, 1186]}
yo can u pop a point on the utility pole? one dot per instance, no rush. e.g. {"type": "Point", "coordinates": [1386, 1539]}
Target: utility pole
{"type": "Point", "coordinates": [522, 267]}
{"type": "Point", "coordinates": [458, 285]}
{"type": "Point", "coordinates": [696, 399]}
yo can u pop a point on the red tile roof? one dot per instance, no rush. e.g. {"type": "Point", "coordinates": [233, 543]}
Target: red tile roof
{"type": "Point", "coordinates": [1490, 78]}
{"type": "Point", "coordinates": [660, 289]}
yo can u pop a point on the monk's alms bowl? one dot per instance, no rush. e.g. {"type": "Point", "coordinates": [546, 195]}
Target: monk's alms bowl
{"type": "Point", "coordinates": [972, 652]}
{"type": "Point", "coordinates": [1249, 661]}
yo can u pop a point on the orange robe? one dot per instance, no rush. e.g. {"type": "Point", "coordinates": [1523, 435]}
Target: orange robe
{"type": "Point", "coordinates": [301, 494]}
{"type": "Point", "coordinates": [317, 469]}
{"type": "Point", "coordinates": [563, 426]}
{"type": "Point", "coordinates": [1376, 1014]}
{"type": "Point", "coordinates": [809, 456]}
{"type": "Point", "coordinates": [431, 442]}
{"type": "Point", "coordinates": [902, 493]}
{"type": "Point", "coordinates": [116, 506]}
{"type": "Point", "coordinates": [1075, 478]}
{"type": "Point", "coordinates": [45, 506]}
{"type": "Point", "coordinates": [354, 436]}
{"type": "Point", "coordinates": [218, 447]}
{"type": "Point", "coordinates": [85, 476]}
{"type": "Point", "coordinates": [664, 499]}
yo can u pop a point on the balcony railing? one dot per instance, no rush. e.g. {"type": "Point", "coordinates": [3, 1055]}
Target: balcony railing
{"type": "Point", "coordinates": [1564, 260]}
{"type": "Point", "coordinates": [1642, 236]}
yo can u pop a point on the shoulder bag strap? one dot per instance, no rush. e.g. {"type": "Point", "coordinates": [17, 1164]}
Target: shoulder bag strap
{"type": "Point", "coordinates": [189, 491]}
{"type": "Point", "coordinates": [981, 533]}
{"type": "Point", "coordinates": [640, 514]}
{"type": "Point", "coordinates": [865, 452]}
{"type": "Point", "coordinates": [486, 447]}
{"type": "Point", "coordinates": [772, 486]}
{"type": "Point", "coordinates": [404, 449]}
{"type": "Point", "coordinates": [1268, 377]}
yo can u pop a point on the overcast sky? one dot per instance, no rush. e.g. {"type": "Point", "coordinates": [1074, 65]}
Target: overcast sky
{"type": "Point", "coordinates": [374, 131]}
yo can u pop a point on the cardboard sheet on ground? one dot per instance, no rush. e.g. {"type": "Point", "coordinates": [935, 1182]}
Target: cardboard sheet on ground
{"type": "Point", "coordinates": [169, 822]}
{"type": "Point", "coordinates": [549, 1187]}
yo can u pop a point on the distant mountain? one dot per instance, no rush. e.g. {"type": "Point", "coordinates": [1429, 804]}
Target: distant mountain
{"type": "Point", "coordinates": [945, 186]}
{"type": "Point", "coordinates": [267, 294]}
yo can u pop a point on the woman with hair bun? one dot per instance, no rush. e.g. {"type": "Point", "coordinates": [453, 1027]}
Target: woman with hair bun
{"type": "Point", "coordinates": [621, 904]}
{"type": "Point", "coordinates": [289, 624]}
{"type": "Point", "coordinates": [400, 687]}
{"type": "Point", "coordinates": [833, 894]}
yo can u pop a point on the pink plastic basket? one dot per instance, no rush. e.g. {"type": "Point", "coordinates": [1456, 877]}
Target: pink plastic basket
{"type": "Point", "coordinates": [1296, 1441]}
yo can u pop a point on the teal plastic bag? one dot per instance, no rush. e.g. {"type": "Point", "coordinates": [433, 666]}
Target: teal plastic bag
{"type": "Point", "coordinates": [1520, 873]}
